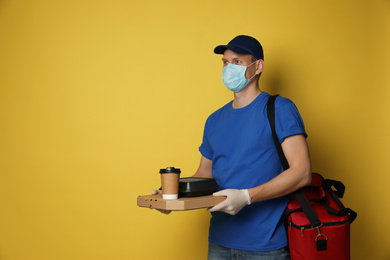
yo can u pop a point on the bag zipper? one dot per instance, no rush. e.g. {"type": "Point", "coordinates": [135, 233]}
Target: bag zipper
{"type": "Point", "coordinates": [303, 227]}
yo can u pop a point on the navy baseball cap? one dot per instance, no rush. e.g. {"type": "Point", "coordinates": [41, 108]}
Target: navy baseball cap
{"type": "Point", "coordinates": [242, 44]}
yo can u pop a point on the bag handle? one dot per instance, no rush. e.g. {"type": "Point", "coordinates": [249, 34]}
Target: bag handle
{"type": "Point", "coordinates": [338, 185]}
{"type": "Point", "coordinates": [299, 195]}
{"type": "Point", "coordinates": [343, 211]}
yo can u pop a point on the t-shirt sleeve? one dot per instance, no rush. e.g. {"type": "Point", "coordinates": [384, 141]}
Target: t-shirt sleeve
{"type": "Point", "coordinates": [205, 148]}
{"type": "Point", "coordinates": [288, 120]}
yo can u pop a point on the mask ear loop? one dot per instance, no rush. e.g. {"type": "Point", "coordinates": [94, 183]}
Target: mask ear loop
{"type": "Point", "coordinates": [255, 72]}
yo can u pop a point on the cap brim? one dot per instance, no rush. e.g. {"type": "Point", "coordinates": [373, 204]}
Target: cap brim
{"type": "Point", "coordinates": [220, 49]}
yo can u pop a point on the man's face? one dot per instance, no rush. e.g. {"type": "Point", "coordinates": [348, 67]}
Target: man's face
{"type": "Point", "coordinates": [240, 59]}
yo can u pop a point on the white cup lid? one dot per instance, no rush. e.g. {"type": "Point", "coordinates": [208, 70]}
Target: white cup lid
{"type": "Point", "coordinates": [170, 196]}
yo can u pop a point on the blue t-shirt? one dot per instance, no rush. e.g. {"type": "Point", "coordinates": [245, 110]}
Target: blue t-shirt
{"type": "Point", "coordinates": [239, 143]}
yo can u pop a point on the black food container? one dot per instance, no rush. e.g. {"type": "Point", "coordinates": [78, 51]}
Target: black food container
{"type": "Point", "coordinates": [194, 186]}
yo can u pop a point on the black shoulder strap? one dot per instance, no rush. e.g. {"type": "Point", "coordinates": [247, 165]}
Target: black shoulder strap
{"type": "Point", "coordinates": [271, 119]}
{"type": "Point", "coordinates": [299, 195]}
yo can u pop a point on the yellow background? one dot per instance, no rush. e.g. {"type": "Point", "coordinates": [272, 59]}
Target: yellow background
{"type": "Point", "coordinates": [97, 96]}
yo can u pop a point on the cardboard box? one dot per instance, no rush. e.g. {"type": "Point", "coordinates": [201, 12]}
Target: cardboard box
{"type": "Point", "coordinates": [157, 202]}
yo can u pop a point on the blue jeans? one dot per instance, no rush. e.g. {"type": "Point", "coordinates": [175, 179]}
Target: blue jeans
{"type": "Point", "coordinates": [217, 252]}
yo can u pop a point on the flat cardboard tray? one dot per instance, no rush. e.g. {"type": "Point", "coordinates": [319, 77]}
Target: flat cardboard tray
{"type": "Point", "coordinates": [180, 204]}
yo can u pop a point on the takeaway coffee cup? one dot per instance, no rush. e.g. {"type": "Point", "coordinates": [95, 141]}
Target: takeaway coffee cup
{"type": "Point", "coordinates": [170, 182]}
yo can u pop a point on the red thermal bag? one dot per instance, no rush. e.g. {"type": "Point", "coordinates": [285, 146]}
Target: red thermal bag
{"type": "Point", "coordinates": [318, 224]}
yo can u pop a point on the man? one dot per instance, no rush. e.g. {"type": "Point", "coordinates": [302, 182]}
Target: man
{"type": "Point", "coordinates": [238, 151]}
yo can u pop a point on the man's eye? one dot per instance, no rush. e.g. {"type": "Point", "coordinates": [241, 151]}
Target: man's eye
{"type": "Point", "coordinates": [238, 62]}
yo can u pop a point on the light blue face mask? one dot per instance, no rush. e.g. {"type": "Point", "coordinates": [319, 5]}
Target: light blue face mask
{"type": "Point", "coordinates": [233, 76]}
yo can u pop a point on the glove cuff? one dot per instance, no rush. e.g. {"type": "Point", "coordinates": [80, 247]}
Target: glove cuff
{"type": "Point", "coordinates": [248, 198]}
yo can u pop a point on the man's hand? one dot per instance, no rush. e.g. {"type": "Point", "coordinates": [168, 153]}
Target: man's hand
{"type": "Point", "coordinates": [235, 201]}
{"type": "Point", "coordinates": [155, 192]}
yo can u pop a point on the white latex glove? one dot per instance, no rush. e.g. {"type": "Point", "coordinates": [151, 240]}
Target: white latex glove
{"type": "Point", "coordinates": [235, 201]}
{"type": "Point", "coordinates": [155, 192]}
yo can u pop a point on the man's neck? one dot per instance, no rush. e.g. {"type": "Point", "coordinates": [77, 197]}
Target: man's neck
{"type": "Point", "coordinates": [245, 97]}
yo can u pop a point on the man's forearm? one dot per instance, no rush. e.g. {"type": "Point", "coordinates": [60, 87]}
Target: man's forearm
{"type": "Point", "coordinates": [298, 175]}
{"type": "Point", "coordinates": [283, 184]}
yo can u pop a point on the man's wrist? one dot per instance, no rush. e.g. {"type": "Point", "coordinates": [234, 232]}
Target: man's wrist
{"type": "Point", "coordinates": [247, 196]}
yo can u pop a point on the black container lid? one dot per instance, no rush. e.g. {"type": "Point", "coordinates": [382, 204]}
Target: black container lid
{"type": "Point", "coordinates": [170, 170]}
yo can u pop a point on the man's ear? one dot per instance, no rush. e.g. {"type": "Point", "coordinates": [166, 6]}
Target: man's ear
{"type": "Point", "coordinates": [259, 66]}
